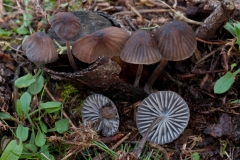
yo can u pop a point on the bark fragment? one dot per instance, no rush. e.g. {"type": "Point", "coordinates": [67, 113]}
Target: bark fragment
{"type": "Point", "coordinates": [217, 19]}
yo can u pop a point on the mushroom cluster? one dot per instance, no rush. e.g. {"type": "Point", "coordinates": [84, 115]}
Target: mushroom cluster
{"type": "Point", "coordinates": [170, 113]}
{"type": "Point", "coordinates": [101, 111]}
{"type": "Point", "coordinates": [176, 41]}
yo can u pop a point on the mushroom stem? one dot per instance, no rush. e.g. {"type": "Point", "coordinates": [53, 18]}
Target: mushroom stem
{"type": "Point", "coordinates": [154, 76]}
{"type": "Point", "coordinates": [138, 75]}
{"type": "Point", "coordinates": [70, 57]}
{"type": "Point", "coordinates": [137, 152]}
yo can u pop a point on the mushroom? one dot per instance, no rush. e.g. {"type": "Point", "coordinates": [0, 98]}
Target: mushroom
{"type": "Point", "coordinates": [105, 42]}
{"type": "Point", "coordinates": [40, 49]}
{"type": "Point", "coordinates": [170, 113]}
{"type": "Point", "coordinates": [176, 41]}
{"type": "Point", "coordinates": [141, 48]}
{"type": "Point", "coordinates": [101, 111]}
{"type": "Point", "coordinates": [67, 26]}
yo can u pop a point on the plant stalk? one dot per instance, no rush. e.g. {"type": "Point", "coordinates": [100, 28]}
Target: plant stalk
{"type": "Point", "coordinates": [138, 75]}
{"type": "Point", "coordinates": [154, 76]}
{"type": "Point", "coordinates": [137, 152]}
{"type": "Point", "coordinates": [70, 57]}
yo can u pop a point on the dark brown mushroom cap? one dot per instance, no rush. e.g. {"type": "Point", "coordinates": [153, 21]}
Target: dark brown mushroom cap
{"type": "Point", "coordinates": [40, 49]}
{"type": "Point", "coordinates": [66, 25]}
{"type": "Point", "coordinates": [141, 48]}
{"type": "Point", "coordinates": [105, 42]}
{"type": "Point", "coordinates": [171, 107]}
{"type": "Point", "coordinates": [176, 40]}
{"type": "Point", "coordinates": [92, 110]}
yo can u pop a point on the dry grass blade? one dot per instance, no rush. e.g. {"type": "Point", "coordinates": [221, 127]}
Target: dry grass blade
{"type": "Point", "coordinates": [78, 140]}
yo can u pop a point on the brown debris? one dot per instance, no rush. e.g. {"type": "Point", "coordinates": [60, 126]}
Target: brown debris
{"type": "Point", "coordinates": [227, 127]}
{"type": "Point", "coordinates": [7, 66]}
{"type": "Point", "coordinates": [78, 140]}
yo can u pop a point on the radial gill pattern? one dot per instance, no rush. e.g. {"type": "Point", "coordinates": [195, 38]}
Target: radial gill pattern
{"type": "Point", "coordinates": [91, 112]}
{"type": "Point", "coordinates": [169, 105]}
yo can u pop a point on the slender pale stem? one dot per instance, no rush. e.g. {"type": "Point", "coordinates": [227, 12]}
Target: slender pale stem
{"type": "Point", "coordinates": [138, 75]}
{"type": "Point", "coordinates": [70, 57]}
{"type": "Point", "coordinates": [154, 76]}
{"type": "Point", "coordinates": [137, 152]}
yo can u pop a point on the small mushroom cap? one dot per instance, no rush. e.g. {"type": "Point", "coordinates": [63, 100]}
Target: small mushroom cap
{"type": "Point", "coordinates": [105, 42]}
{"type": "Point", "coordinates": [169, 105]}
{"type": "Point", "coordinates": [176, 40]}
{"type": "Point", "coordinates": [40, 49]}
{"type": "Point", "coordinates": [66, 25]}
{"type": "Point", "coordinates": [92, 111]}
{"type": "Point", "coordinates": [141, 48]}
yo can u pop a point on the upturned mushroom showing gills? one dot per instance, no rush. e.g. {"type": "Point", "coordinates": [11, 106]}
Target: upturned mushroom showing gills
{"type": "Point", "coordinates": [141, 48]}
{"type": "Point", "coordinates": [105, 42]}
{"type": "Point", "coordinates": [40, 49]}
{"type": "Point", "coordinates": [170, 113]}
{"type": "Point", "coordinates": [102, 112]}
{"type": "Point", "coordinates": [67, 26]}
{"type": "Point", "coordinates": [176, 41]}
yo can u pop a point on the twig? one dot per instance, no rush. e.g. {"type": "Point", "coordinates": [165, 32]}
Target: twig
{"type": "Point", "coordinates": [214, 43]}
{"type": "Point", "coordinates": [103, 155]}
{"type": "Point", "coordinates": [176, 14]}
{"type": "Point", "coordinates": [132, 13]}
{"type": "Point", "coordinates": [210, 54]}
{"type": "Point", "coordinates": [156, 146]}
{"type": "Point", "coordinates": [220, 15]}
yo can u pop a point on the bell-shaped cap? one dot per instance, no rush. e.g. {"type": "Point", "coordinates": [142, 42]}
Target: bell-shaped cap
{"type": "Point", "coordinates": [171, 107]}
{"type": "Point", "coordinates": [105, 42]}
{"type": "Point", "coordinates": [176, 40]}
{"type": "Point", "coordinates": [66, 25]}
{"type": "Point", "coordinates": [39, 48]}
{"type": "Point", "coordinates": [141, 48]}
{"type": "Point", "coordinates": [101, 111]}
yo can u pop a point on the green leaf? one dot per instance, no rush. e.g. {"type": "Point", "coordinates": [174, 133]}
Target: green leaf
{"type": "Point", "coordinates": [40, 139]}
{"type": "Point", "coordinates": [22, 30]}
{"type": "Point", "coordinates": [25, 101]}
{"type": "Point", "coordinates": [62, 125]}
{"type": "Point", "coordinates": [12, 151]}
{"type": "Point", "coordinates": [27, 18]}
{"type": "Point", "coordinates": [22, 132]}
{"type": "Point", "coordinates": [51, 106]}
{"type": "Point", "coordinates": [18, 107]}
{"type": "Point", "coordinates": [45, 151]}
{"type": "Point", "coordinates": [237, 101]}
{"type": "Point", "coordinates": [29, 148]}
{"type": "Point", "coordinates": [4, 115]}
{"type": "Point", "coordinates": [237, 29]}
{"type": "Point", "coordinates": [195, 156]}
{"type": "Point", "coordinates": [36, 86]}
{"type": "Point", "coordinates": [233, 65]}
{"type": "Point", "coordinates": [4, 33]}
{"type": "Point", "coordinates": [43, 126]}
{"type": "Point", "coordinates": [24, 81]}
{"type": "Point", "coordinates": [230, 28]}
{"type": "Point", "coordinates": [225, 82]}
{"type": "Point", "coordinates": [32, 138]}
